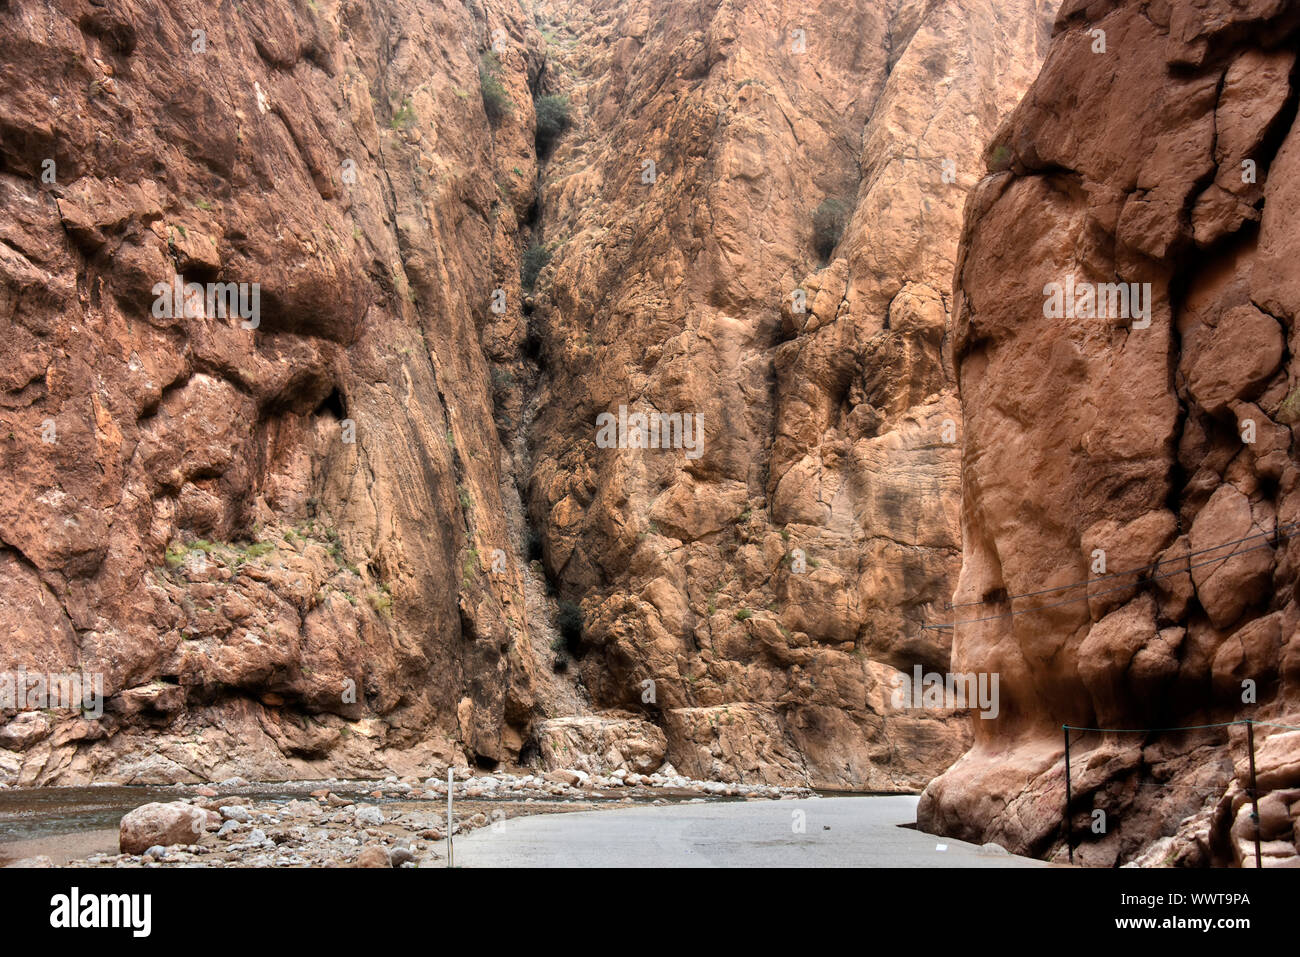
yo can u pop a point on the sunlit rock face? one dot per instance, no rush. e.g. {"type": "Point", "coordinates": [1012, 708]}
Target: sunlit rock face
{"type": "Point", "coordinates": [1156, 150]}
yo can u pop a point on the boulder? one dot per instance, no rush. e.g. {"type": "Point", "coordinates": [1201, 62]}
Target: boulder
{"type": "Point", "coordinates": [373, 856]}
{"type": "Point", "coordinates": [23, 731]}
{"type": "Point", "coordinates": [161, 824]}
{"type": "Point", "coordinates": [600, 744]}
{"type": "Point", "coordinates": [1230, 578]}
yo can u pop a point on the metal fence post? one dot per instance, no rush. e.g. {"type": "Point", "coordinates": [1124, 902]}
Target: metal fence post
{"type": "Point", "coordinates": [1254, 787]}
{"type": "Point", "coordinates": [450, 849]}
{"type": "Point", "coordinates": [1069, 831]}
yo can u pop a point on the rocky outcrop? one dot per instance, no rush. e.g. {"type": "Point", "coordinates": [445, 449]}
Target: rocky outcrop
{"type": "Point", "coordinates": [278, 534]}
{"type": "Point", "coordinates": [364, 523]}
{"type": "Point", "coordinates": [1145, 429]}
{"type": "Point", "coordinates": [752, 225]}
{"type": "Point", "coordinates": [601, 744]}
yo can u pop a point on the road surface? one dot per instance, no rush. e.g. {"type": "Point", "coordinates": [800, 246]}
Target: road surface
{"type": "Point", "coordinates": [837, 832]}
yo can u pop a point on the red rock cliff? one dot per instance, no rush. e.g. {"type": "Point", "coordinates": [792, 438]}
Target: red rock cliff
{"type": "Point", "coordinates": [374, 530]}
{"type": "Point", "coordinates": [1157, 147]}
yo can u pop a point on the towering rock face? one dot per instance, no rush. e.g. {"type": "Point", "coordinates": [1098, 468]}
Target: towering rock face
{"type": "Point", "coordinates": [272, 537]}
{"type": "Point", "coordinates": [756, 586]}
{"type": "Point", "coordinates": [367, 523]}
{"type": "Point", "coordinates": [1157, 148]}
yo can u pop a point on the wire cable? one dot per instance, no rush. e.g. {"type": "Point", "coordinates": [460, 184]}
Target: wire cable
{"type": "Point", "coordinates": [1190, 727]}
{"type": "Point", "coordinates": [1106, 591]}
{"type": "Point", "coordinates": [1132, 571]}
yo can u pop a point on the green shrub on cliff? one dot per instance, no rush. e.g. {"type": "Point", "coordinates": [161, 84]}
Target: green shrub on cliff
{"type": "Point", "coordinates": [533, 262]}
{"type": "Point", "coordinates": [552, 119]}
{"type": "Point", "coordinates": [496, 101]}
{"type": "Point", "coordinates": [404, 118]}
{"type": "Point", "coordinates": [1288, 412]}
{"type": "Point", "coordinates": [569, 623]}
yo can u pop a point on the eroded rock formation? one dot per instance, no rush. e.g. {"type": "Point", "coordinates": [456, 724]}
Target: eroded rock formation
{"type": "Point", "coordinates": [1157, 147]}
{"type": "Point", "coordinates": [374, 529]}
{"type": "Point", "coordinates": [764, 591]}
{"type": "Point", "coordinates": [271, 541]}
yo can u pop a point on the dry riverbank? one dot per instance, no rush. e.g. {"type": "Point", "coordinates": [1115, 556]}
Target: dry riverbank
{"type": "Point", "coordinates": [345, 823]}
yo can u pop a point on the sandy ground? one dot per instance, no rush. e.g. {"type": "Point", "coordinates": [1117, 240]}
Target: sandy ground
{"type": "Point", "coordinates": [61, 848]}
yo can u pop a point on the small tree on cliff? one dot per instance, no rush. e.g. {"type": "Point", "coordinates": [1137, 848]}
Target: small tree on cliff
{"type": "Point", "coordinates": [569, 623]}
{"type": "Point", "coordinates": [531, 264]}
{"type": "Point", "coordinates": [552, 120]}
{"type": "Point", "coordinates": [829, 220]}
{"type": "Point", "coordinates": [496, 101]}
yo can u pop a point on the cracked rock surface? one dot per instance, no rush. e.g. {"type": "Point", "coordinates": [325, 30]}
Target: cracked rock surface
{"type": "Point", "coordinates": [1168, 160]}
{"type": "Point", "coordinates": [371, 530]}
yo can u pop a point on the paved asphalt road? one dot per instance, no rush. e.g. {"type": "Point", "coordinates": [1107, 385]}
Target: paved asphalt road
{"type": "Point", "coordinates": [863, 832]}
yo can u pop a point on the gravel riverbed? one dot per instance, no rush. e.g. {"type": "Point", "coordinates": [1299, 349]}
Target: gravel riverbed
{"type": "Point", "coordinates": [345, 823]}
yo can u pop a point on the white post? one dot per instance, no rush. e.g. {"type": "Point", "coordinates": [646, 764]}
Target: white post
{"type": "Point", "coordinates": [449, 818]}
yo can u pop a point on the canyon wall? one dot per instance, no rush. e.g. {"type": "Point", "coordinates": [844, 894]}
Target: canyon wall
{"type": "Point", "coordinates": [271, 541]}
{"type": "Point", "coordinates": [757, 595]}
{"type": "Point", "coordinates": [1158, 147]}
{"type": "Point", "coordinates": [372, 529]}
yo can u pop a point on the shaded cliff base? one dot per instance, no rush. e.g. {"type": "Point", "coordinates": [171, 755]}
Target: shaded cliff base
{"type": "Point", "coordinates": [1164, 799]}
